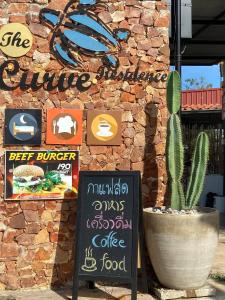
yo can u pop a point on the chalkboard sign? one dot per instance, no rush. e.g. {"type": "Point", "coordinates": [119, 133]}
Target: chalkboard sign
{"type": "Point", "coordinates": [107, 227]}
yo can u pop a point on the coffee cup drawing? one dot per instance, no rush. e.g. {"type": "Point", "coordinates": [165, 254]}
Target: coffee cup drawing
{"type": "Point", "coordinates": [104, 128]}
{"type": "Point", "coordinates": [89, 261]}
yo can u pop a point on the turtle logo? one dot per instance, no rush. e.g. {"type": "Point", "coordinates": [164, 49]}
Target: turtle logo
{"type": "Point", "coordinates": [78, 30]}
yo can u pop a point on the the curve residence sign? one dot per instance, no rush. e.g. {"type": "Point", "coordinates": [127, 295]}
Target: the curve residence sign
{"type": "Point", "coordinates": [15, 39]}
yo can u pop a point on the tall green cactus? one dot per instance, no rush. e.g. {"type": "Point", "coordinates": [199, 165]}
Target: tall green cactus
{"type": "Point", "coordinates": [175, 152]}
{"type": "Point", "coordinates": [198, 169]}
{"type": "Point", "coordinates": [175, 161]}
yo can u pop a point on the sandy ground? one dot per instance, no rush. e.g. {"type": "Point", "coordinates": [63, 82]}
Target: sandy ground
{"type": "Point", "coordinates": [219, 263]}
{"type": "Point", "coordinates": [101, 293]}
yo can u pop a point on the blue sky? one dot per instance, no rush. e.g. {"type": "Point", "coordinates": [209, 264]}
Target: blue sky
{"type": "Point", "coordinates": [210, 73]}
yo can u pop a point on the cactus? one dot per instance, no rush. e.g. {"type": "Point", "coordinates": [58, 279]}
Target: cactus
{"type": "Point", "coordinates": [175, 152]}
{"type": "Point", "coordinates": [175, 161]}
{"type": "Point", "coordinates": [173, 92]}
{"type": "Point", "coordinates": [198, 169]}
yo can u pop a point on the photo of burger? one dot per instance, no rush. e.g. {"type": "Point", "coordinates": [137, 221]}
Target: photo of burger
{"type": "Point", "coordinates": [33, 179]}
{"type": "Point", "coordinates": [40, 174]}
{"type": "Point", "coordinates": [28, 177]}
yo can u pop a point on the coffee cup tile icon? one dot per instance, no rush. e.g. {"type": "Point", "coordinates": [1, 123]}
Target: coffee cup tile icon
{"type": "Point", "coordinates": [103, 128]}
{"type": "Point", "coordinates": [64, 126]}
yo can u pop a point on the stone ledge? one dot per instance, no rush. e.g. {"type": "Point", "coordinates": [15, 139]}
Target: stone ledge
{"type": "Point", "coordinates": [206, 291]}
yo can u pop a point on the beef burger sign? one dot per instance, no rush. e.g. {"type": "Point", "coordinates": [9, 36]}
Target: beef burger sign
{"type": "Point", "coordinates": [41, 174]}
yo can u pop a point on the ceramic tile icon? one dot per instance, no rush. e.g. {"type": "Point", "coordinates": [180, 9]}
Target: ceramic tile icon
{"type": "Point", "coordinates": [23, 127]}
{"type": "Point", "coordinates": [64, 126]}
{"type": "Point", "coordinates": [104, 127]}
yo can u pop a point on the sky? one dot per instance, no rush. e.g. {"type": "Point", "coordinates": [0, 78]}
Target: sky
{"type": "Point", "coordinates": [210, 73]}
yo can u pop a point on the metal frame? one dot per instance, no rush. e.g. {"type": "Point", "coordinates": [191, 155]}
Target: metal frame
{"type": "Point", "coordinates": [208, 22]}
{"type": "Point", "coordinates": [205, 42]}
{"type": "Point", "coordinates": [207, 25]}
{"type": "Point", "coordinates": [176, 45]}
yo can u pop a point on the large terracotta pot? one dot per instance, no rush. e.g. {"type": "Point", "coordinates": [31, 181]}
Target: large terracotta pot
{"type": "Point", "coordinates": [182, 247]}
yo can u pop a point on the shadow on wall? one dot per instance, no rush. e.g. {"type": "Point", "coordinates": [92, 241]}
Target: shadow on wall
{"type": "Point", "coordinates": [64, 238]}
{"type": "Point", "coordinates": [153, 181]}
{"type": "Point", "coordinates": [153, 172]}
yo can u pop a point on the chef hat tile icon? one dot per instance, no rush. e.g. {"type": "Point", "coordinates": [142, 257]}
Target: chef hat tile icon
{"type": "Point", "coordinates": [65, 124]}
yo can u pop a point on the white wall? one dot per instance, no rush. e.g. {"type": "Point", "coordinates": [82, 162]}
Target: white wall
{"type": "Point", "coordinates": [214, 184]}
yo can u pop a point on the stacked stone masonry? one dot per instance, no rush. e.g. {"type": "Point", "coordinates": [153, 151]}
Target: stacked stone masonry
{"type": "Point", "coordinates": [36, 237]}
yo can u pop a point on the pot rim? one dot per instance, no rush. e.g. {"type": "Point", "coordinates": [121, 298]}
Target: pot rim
{"type": "Point", "coordinates": [200, 211]}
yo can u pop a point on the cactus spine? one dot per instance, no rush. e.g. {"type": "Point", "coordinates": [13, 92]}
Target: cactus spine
{"type": "Point", "coordinates": [175, 152]}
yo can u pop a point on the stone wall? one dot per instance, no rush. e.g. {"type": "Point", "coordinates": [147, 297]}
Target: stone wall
{"type": "Point", "coordinates": [36, 237]}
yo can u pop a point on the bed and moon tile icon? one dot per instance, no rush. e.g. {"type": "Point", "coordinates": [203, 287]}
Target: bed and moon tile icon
{"type": "Point", "coordinates": [23, 127]}
{"type": "Point", "coordinates": [104, 128]}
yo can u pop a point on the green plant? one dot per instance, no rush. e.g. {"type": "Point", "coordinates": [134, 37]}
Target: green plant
{"type": "Point", "coordinates": [197, 84]}
{"type": "Point", "coordinates": [175, 152]}
{"type": "Point", "coordinates": [218, 277]}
